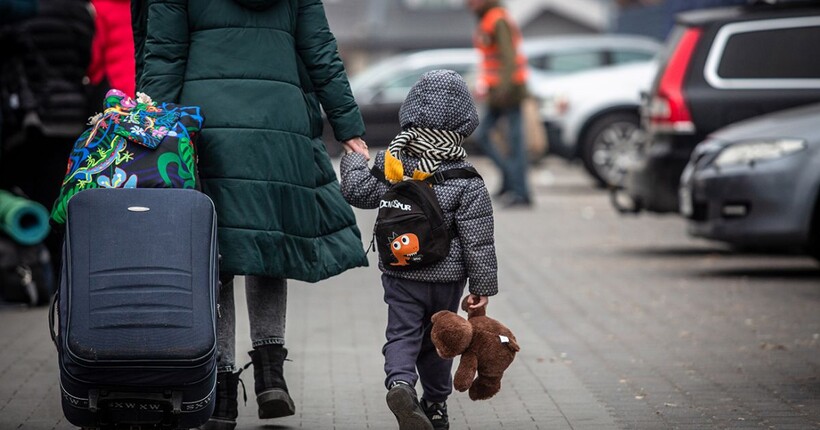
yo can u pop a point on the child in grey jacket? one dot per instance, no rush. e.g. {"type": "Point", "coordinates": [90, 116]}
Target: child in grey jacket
{"type": "Point", "coordinates": [436, 117]}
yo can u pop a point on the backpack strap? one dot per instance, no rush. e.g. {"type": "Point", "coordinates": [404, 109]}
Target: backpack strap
{"type": "Point", "coordinates": [437, 178]}
{"type": "Point", "coordinates": [379, 174]}
{"type": "Point", "coordinates": [460, 173]}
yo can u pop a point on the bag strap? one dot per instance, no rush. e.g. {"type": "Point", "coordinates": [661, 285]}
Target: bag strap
{"type": "Point", "coordinates": [437, 178]}
{"type": "Point", "coordinates": [379, 174]}
{"type": "Point", "coordinates": [460, 173]}
{"type": "Point", "coordinates": [52, 315]}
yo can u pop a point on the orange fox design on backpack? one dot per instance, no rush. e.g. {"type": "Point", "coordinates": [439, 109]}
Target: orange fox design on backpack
{"type": "Point", "coordinates": [405, 247]}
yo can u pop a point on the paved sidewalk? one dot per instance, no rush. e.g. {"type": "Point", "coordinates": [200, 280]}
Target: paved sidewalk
{"type": "Point", "coordinates": [624, 323]}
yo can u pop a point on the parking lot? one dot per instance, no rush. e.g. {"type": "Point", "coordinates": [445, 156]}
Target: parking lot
{"type": "Point", "coordinates": [624, 323]}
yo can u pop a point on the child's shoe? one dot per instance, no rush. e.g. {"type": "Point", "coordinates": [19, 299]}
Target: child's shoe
{"type": "Point", "coordinates": [437, 414]}
{"type": "Point", "coordinates": [403, 402]}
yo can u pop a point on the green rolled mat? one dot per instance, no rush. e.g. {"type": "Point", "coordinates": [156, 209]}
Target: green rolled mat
{"type": "Point", "coordinates": [25, 221]}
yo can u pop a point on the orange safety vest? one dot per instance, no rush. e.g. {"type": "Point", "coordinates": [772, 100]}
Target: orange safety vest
{"type": "Point", "coordinates": [490, 75]}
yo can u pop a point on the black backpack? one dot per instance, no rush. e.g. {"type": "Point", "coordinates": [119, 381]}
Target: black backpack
{"type": "Point", "coordinates": [26, 274]}
{"type": "Point", "coordinates": [410, 232]}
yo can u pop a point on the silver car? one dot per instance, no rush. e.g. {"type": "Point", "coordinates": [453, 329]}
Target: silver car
{"type": "Point", "coordinates": [757, 182]}
{"type": "Point", "coordinates": [381, 88]}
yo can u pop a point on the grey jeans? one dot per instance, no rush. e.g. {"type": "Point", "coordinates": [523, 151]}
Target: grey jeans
{"type": "Point", "coordinates": [267, 300]}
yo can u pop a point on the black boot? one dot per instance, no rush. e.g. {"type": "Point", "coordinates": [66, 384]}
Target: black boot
{"type": "Point", "coordinates": [269, 381]}
{"type": "Point", "coordinates": [226, 407]}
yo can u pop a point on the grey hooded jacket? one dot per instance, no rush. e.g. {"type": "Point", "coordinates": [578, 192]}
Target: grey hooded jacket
{"type": "Point", "coordinates": [467, 207]}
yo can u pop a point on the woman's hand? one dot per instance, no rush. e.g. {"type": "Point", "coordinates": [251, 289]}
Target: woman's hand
{"type": "Point", "coordinates": [357, 145]}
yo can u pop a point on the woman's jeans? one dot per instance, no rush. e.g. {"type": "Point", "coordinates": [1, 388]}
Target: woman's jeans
{"type": "Point", "coordinates": [514, 166]}
{"type": "Point", "coordinates": [267, 300]}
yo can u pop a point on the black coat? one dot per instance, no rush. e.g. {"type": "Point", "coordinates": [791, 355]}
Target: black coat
{"type": "Point", "coordinates": [45, 59]}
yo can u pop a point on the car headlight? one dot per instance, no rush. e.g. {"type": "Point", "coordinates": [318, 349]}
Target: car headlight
{"type": "Point", "coordinates": [751, 152]}
{"type": "Point", "coordinates": [554, 107]}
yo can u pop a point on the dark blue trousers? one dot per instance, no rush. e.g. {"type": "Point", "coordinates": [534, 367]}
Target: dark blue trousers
{"type": "Point", "coordinates": [410, 305]}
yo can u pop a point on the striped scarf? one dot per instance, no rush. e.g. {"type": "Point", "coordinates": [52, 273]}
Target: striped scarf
{"type": "Point", "coordinates": [430, 146]}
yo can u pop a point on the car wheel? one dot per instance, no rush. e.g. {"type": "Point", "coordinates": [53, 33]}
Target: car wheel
{"type": "Point", "coordinates": [610, 144]}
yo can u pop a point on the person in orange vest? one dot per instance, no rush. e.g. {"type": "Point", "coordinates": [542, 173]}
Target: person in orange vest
{"type": "Point", "coordinates": [502, 82]}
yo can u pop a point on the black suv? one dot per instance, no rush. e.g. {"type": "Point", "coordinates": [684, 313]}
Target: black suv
{"type": "Point", "coordinates": [721, 66]}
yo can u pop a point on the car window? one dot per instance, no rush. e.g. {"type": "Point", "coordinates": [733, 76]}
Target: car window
{"type": "Point", "coordinates": [395, 90]}
{"type": "Point", "coordinates": [623, 57]}
{"type": "Point", "coordinates": [565, 62]}
{"type": "Point", "coordinates": [772, 54]}
{"type": "Point", "coordinates": [403, 82]}
{"type": "Point", "coordinates": [538, 62]}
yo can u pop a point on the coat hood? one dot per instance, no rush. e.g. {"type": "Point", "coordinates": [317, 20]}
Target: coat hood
{"type": "Point", "coordinates": [257, 4]}
{"type": "Point", "coordinates": [440, 100]}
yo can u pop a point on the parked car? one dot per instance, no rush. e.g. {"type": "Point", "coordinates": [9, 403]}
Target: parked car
{"type": "Point", "coordinates": [588, 117]}
{"type": "Point", "coordinates": [559, 55]}
{"type": "Point", "coordinates": [381, 88]}
{"type": "Point", "coordinates": [723, 65]}
{"type": "Point", "coordinates": [757, 182]}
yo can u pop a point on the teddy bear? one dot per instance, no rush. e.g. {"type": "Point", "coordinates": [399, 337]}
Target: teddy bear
{"type": "Point", "coordinates": [486, 346]}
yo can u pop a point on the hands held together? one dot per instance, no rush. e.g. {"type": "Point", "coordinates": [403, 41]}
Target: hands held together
{"type": "Point", "coordinates": [356, 145]}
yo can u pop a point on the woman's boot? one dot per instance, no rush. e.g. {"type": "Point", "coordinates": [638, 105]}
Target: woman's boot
{"type": "Point", "coordinates": [269, 381]}
{"type": "Point", "coordinates": [226, 407]}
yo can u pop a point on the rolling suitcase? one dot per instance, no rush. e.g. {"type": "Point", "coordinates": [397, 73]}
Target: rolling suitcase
{"type": "Point", "coordinates": [137, 309]}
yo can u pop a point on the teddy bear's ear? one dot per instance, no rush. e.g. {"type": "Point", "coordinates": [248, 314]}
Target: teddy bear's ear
{"type": "Point", "coordinates": [451, 334]}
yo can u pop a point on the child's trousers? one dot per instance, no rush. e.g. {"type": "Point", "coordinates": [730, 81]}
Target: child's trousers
{"type": "Point", "coordinates": [410, 305]}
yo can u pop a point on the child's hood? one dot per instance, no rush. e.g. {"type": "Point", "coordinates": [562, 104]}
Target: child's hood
{"type": "Point", "coordinates": [440, 100]}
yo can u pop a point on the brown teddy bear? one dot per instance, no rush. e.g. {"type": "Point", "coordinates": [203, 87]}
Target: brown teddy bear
{"type": "Point", "coordinates": [485, 345]}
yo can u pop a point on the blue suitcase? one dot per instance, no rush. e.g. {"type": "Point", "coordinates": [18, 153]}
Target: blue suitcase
{"type": "Point", "coordinates": [137, 309]}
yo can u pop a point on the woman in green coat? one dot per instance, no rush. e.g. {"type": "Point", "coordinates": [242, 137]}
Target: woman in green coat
{"type": "Point", "coordinates": [257, 69]}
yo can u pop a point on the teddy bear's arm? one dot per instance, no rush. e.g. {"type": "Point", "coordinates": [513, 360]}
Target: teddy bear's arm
{"type": "Point", "coordinates": [465, 373]}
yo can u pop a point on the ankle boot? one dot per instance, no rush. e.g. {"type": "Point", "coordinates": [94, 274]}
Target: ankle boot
{"type": "Point", "coordinates": [225, 407]}
{"type": "Point", "coordinates": [269, 381]}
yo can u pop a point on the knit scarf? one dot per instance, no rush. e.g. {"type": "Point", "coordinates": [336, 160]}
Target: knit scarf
{"type": "Point", "coordinates": [430, 146]}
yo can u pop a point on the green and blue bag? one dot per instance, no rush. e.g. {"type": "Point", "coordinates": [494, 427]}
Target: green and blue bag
{"type": "Point", "coordinates": [133, 144]}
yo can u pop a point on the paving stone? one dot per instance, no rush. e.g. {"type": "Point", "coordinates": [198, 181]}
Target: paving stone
{"type": "Point", "coordinates": [624, 322]}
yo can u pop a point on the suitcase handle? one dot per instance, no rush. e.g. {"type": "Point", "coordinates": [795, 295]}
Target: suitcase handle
{"type": "Point", "coordinates": [52, 310]}
{"type": "Point", "coordinates": [170, 414]}
{"type": "Point", "coordinates": [175, 401]}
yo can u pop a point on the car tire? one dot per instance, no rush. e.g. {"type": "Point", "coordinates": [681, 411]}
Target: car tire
{"type": "Point", "coordinates": [606, 141]}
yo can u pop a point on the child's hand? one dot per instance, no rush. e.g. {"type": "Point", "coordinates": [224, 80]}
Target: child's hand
{"type": "Point", "coordinates": [357, 145]}
{"type": "Point", "coordinates": [475, 302]}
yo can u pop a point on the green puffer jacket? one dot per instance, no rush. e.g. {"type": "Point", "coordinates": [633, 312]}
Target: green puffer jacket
{"type": "Point", "coordinates": [257, 69]}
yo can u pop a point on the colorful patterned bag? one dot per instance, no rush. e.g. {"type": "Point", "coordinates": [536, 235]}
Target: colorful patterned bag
{"type": "Point", "coordinates": [133, 144]}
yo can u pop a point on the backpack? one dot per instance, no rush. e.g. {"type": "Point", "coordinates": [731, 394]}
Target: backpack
{"type": "Point", "coordinates": [410, 232]}
{"type": "Point", "coordinates": [26, 274]}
